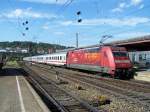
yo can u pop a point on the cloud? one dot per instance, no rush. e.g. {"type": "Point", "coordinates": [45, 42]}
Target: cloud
{"type": "Point", "coordinates": [124, 5]}
{"type": "Point", "coordinates": [59, 33]}
{"type": "Point", "coordinates": [27, 13]}
{"type": "Point", "coordinates": [136, 2]}
{"type": "Point", "coordinates": [141, 6]}
{"type": "Point", "coordinates": [110, 21]}
{"type": "Point", "coordinates": [117, 9]}
{"type": "Point", "coordinates": [45, 27]}
{"type": "Point", "coordinates": [47, 1]}
{"type": "Point", "coordinates": [120, 7]}
{"type": "Point", "coordinates": [67, 23]}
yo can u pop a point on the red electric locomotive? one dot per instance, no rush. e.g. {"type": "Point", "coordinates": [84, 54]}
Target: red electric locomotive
{"type": "Point", "coordinates": [105, 59]}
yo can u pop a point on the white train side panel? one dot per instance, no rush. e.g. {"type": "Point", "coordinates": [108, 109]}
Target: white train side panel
{"type": "Point", "coordinates": [58, 59]}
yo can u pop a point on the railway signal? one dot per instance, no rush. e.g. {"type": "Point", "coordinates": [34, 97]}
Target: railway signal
{"type": "Point", "coordinates": [23, 34]}
{"type": "Point", "coordinates": [79, 12]}
{"type": "Point", "coordinates": [77, 34]}
{"type": "Point", "coordinates": [26, 28]}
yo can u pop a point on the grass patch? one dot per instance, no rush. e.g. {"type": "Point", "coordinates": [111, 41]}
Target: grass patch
{"type": "Point", "coordinates": [12, 63]}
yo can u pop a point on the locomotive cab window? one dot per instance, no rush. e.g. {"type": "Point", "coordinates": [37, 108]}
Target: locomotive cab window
{"type": "Point", "coordinates": [120, 54]}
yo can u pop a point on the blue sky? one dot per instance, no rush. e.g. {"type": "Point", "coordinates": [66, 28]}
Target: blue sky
{"type": "Point", "coordinates": [55, 21]}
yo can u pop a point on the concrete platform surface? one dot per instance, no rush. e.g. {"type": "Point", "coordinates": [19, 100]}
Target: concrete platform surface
{"type": "Point", "coordinates": [16, 94]}
{"type": "Point", "coordinates": [143, 75]}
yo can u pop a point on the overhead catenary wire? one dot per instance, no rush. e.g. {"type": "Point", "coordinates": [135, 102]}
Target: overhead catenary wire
{"type": "Point", "coordinates": [23, 23]}
{"type": "Point", "coordinates": [13, 25]}
{"type": "Point", "coordinates": [58, 12]}
{"type": "Point", "coordinates": [18, 20]}
{"type": "Point", "coordinates": [64, 6]}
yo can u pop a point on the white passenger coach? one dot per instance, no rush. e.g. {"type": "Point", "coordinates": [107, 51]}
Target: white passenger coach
{"type": "Point", "coordinates": [53, 59]}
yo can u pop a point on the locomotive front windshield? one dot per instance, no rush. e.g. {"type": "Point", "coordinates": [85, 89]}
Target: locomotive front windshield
{"type": "Point", "coordinates": [120, 54]}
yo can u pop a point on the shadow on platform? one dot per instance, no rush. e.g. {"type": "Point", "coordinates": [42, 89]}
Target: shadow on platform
{"type": "Point", "coordinates": [10, 72]}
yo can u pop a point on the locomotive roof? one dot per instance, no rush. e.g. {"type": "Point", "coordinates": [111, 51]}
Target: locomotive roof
{"type": "Point", "coordinates": [92, 47]}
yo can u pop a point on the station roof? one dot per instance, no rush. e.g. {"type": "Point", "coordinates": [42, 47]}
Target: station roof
{"type": "Point", "coordinates": [135, 44]}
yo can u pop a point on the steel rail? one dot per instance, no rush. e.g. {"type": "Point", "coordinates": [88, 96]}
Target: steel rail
{"type": "Point", "coordinates": [140, 86]}
{"type": "Point", "coordinates": [130, 95]}
{"type": "Point", "coordinates": [50, 98]}
{"type": "Point", "coordinates": [82, 102]}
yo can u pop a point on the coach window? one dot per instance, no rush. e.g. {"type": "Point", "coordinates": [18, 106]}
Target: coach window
{"type": "Point", "coordinates": [60, 57]}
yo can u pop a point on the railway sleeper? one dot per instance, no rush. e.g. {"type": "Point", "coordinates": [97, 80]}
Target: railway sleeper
{"type": "Point", "coordinates": [89, 107]}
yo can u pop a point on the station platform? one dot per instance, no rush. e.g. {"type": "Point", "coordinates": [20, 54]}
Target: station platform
{"type": "Point", "coordinates": [16, 94]}
{"type": "Point", "coordinates": [143, 75]}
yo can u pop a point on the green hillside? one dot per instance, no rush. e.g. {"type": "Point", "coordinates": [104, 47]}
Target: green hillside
{"type": "Point", "coordinates": [32, 48]}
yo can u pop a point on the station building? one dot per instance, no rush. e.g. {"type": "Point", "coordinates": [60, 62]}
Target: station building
{"type": "Point", "coordinates": [138, 48]}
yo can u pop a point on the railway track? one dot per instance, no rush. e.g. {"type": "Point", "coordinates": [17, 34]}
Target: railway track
{"type": "Point", "coordinates": [64, 101]}
{"type": "Point", "coordinates": [135, 97]}
{"type": "Point", "coordinates": [136, 92]}
{"type": "Point", "coordinates": [141, 82]}
{"type": "Point", "coordinates": [139, 86]}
